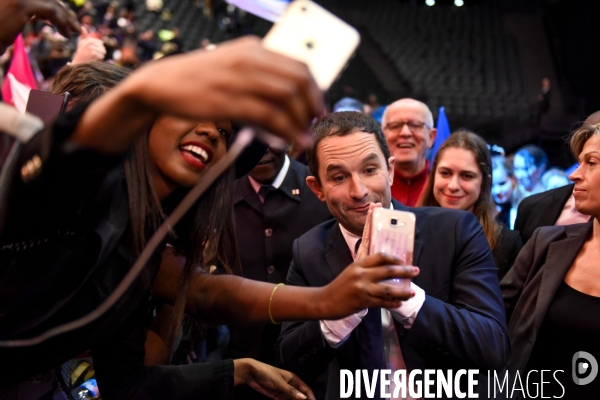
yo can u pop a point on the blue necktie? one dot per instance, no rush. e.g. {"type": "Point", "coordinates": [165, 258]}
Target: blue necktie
{"type": "Point", "coordinates": [370, 342]}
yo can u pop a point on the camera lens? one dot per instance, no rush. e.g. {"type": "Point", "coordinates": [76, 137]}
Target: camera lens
{"type": "Point", "coordinates": [394, 221]}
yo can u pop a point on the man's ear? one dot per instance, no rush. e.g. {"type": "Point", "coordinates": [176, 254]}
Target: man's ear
{"type": "Point", "coordinates": [391, 164]}
{"type": "Point", "coordinates": [432, 136]}
{"type": "Point", "coordinates": [315, 186]}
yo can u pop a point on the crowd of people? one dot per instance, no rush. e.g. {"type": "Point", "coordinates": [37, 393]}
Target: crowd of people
{"type": "Point", "coordinates": [503, 266]}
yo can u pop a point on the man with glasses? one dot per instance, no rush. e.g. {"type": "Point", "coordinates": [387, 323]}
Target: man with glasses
{"type": "Point", "coordinates": [408, 128]}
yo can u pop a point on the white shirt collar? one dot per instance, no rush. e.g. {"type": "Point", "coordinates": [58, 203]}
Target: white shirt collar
{"type": "Point", "coordinates": [278, 179]}
{"type": "Point", "coordinates": [351, 240]}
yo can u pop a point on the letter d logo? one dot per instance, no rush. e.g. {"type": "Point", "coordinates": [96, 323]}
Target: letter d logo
{"type": "Point", "coordinates": [584, 367]}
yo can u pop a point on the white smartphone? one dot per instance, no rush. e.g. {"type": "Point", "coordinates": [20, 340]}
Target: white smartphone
{"type": "Point", "coordinates": [393, 232]}
{"type": "Point", "coordinates": [309, 33]}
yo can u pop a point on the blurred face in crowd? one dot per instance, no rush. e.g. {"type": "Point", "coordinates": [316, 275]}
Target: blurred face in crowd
{"type": "Point", "coordinates": [556, 181]}
{"type": "Point", "coordinates": [353, 173]}
{"type": "Point", "coordinates": [269, 166]}
{"type": "Point", "coordinates": [502, 185]}
{"type": "Point", "coordinates": [181, 151]}
{"type": "Point", "coordinates": [457, 179]}
{"type": "Point", "coordinates": [526, 173]}
{"type": "Point", "coordinates": [408, 129]}
{"type": "Point", "coordinates": [587, 178]}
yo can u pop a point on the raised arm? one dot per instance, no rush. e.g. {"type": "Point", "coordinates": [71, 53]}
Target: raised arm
{"type": "Point", "coordinates": [234, 300]}
{"type": "Point", "coordinates": [239, 81]}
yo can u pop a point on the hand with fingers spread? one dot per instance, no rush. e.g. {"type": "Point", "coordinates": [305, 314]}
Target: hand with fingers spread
{"type": "Point", "coordinates": [89, 48]}
{"type": "Point", "coordinates": [15, 13]}
{"type": "Point", "coordinates": [359, 285]}
{"type": "Point", "coordinates": [270, 381]}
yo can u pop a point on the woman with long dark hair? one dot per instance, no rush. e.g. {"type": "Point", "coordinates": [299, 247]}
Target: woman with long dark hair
{"type": "Point", "coordinates": [461, 178]}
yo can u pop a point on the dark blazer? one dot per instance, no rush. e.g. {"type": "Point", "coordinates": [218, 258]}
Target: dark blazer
{"type": "Point", "coordinates": [460, 324]}
{"type": "Point", "coordinates": [506, 250]}
{"type": "Point", "coordinates": [265, 234]}
{"type": "Point", "coordinates": [541, 209]}
{"type": "Point", "coordinates": [531, 284]}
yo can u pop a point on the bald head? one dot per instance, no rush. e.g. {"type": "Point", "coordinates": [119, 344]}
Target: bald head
{"type": "Point", "coordinates": [409, 132]}
{"type": "Point", "coordinates": [411, 104]}
{"type": "Point", "coordinates": [593, 119]}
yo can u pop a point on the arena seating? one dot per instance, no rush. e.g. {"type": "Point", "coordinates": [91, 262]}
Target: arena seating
{"type": "Point", "coordinates": [457, 57]}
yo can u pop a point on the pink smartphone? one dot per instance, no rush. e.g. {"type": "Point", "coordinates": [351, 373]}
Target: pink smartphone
{"type": "Point", "coordinates": [393, 232]}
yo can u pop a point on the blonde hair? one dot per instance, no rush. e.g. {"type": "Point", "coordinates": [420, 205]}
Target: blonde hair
{"type": "Point", "coordinates": [581, 136]}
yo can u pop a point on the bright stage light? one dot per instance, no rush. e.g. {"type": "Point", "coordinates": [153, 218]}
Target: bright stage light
{"type": "Point", "coordinates": [459, 3]}
{"type": "Point", "coordinates": [430, 2]}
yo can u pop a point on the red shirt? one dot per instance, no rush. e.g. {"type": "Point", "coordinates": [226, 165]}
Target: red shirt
{"type": "Point", "coordinates": [408, 190]}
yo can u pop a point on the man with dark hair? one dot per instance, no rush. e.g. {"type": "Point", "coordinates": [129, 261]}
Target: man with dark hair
{"type": "Point", "coordinates": [456, 318]}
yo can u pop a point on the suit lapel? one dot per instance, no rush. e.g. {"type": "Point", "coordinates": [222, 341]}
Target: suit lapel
{"type": "Point", "coordinates": [559, 259]}
{"type": "Point", "coordinates": [338, 255]}
{"type": "Point", "coordinates": [418, 242]}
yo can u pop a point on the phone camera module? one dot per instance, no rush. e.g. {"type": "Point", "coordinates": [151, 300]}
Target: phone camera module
{"type": "Point", "coordinates": [310, 45]}
{"type": "Point", "coordinates": [394, 221]}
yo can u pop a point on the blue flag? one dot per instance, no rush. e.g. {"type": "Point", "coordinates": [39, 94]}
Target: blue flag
{"type": "Point", "coordinates": [443, 133]}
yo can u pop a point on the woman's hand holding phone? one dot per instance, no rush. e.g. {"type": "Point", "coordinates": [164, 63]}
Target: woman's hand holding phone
{"type": "Point", "coordinates": [359, 286]}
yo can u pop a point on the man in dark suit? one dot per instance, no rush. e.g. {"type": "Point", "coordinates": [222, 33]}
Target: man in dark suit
{"type": "Point", "coordinates": [273, 206]}
{"type": "Point", "coordinates": [456, 318]}
{"type": "Point", "coordinates": [542, 209]}
{"type": "Point", "coordinates": [553, 207]}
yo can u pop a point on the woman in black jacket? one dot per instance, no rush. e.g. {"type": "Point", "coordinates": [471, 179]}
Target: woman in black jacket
{"type": "Point", "coordinates": [552, 294]}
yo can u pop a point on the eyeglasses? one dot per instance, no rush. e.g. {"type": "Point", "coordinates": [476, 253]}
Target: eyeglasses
{"type": "Point", "coordinates": [413, 126]}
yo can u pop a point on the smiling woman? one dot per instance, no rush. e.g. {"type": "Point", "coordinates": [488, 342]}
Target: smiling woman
{"type": "Point", "coordinates": [461, 179]}
{"type": "Point", "coordinates": [182, 150]}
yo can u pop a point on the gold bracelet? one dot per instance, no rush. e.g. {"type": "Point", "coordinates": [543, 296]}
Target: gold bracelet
{"type": "Point", "coordinates": [270, 300]}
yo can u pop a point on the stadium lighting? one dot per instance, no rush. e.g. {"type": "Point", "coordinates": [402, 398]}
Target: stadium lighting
{"type": "Point", "coordinates": [459, 3]}
{"type": "Point", "coordinates": [430, 2]}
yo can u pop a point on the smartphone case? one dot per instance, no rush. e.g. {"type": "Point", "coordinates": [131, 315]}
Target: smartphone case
{"type": "Point", "coordinates": [393, 232]}
{"type": "Point", "coordinates": [309, 33]}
